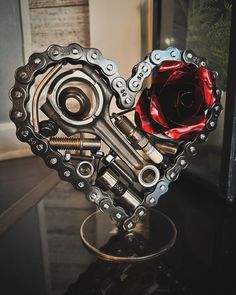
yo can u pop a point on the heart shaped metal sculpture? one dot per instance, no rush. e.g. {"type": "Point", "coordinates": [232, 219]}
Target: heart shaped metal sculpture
{"type": "Point", "coordinates": [61, 108]}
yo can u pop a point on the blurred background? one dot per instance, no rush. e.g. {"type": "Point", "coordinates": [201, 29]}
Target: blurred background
{"type": "Point", "coordinates": [40, 216]}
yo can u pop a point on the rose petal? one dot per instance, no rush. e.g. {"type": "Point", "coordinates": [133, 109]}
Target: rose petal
{"type": "Point", "coordinates": [186, 132]}
{"type": "Point", "coordinates": [142, 114]}
{"type": "Point", "coordinates": [156, 111]}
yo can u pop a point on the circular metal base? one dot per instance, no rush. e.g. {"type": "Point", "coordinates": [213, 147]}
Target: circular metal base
{"type": "Point", "coordinates": [150, 239]}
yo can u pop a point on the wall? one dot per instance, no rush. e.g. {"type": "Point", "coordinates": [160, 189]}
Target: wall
{"type": "Point", "coordinates": [115, 31]}
{"type": "Point", "coordinates": [12, 56]}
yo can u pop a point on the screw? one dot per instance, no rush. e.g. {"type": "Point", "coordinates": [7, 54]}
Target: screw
{"type": "Point", "coordinates": [106, 206]}
{"type": "Point", "coordinates": [53, 161]}
{"type": "Point", "coordinates": [18, 114]}
{"type": "Point", "coordinates": [81, 184]}
{"type": "Point", "coordinates": [130, 225]}
{"type": "Point", "coordinates": [25, 133]}
{"type": "Point", "coordinates": [141, 213]}
{"type": "Point", "coordinates": [173, 53]}
{"type": "Point", "coordinates": [215, 74]}
{"type": "Point", "coordinates": [152, 200]}
{"type": "Point", "coordinates": [203, 63]}
{"type": "Point", "coordinates": [217, 108]}
{"type": "Point", "coordinates": [212, 124]}
{"type": "Point", "coordinates": [110, 67]}
{"type": "Point", "coordinates": [145, 68]}
{"type": "Point", "coordinates": [75, 51]}
{"type": "Point", "coordinates": [118, 84]}
{"type": "Point", "coordinates": [172, 175]}
{"type": "Point", "coordinates": [67, 156]}
{"type": "Point", "coordinates": [18, 94]}
{"type": "Point", "coordinates": [182, 162]}
{"type": "Point", "coordinates": [67, 173]}
{"type": "Point", "coordinates": [118, 215]}
{"type": "Point", "coordinates": [94, 55]}
{"type": "Point", "coordinates": [37, 60]}
{"type": "Point", "coordinates": [39, 147]}
{"type": "Point", "coordinates": [93, 196]}
{"type": "Point", "coordinates": [162, 187]}
{"type": "Point", "coordinates": [23, 75]}
{"type": "Point", "coordinates": [135, 84]}
{"type": "Point", "coordinates": [128, 100]}
{"type": "Point", "coordinates": [189, 55]}
{"type": "Point", "coordinates": [202, 136]}
{"type": "Point", "coordinates": [192, 149]}
{"type": "Point", "coordinates": [157, 57]}
{"type": "Point", "coordinates": [55, 52]}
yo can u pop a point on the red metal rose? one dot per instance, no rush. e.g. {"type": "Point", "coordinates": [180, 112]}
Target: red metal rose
{"type": "Point", "coordinates": [180, 95]}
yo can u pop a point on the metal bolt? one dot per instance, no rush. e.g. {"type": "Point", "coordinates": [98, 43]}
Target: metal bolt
{"type": "Point", "coordinates": [25, 133]}
{"type": "Point", "coordinates": [172, 175]}
{"type": "Point", "coordinates": [67, 156]}
{"type": "Point", "coordinates": [215, 74]}
{"type": "Point", "coordinates": [182, 162]}
{"type": "Point", "coordinates": [218, 91]}
{"type": "Point", "coordinates": [39, 147]}
{"type": "Point", "coordinates": [135, 84]}
{"type": "Point", "coordinates": [118, 84]}
{"type": "Point", "coordinates": [192, 149]}
{"type": "Point", "coordinates": [157, 57]}
{"type": "Point", "coordinates": [141, 213]}
{"type": "Point", "coordinates": [189, 55]}
{"type": "Point", "coordinates": [23, 75]}
{"type": "Point", "coordinates": [18, 114]}
{"type": "Point", "coordinates": [202, 136]}
{"type": "Point", "coordinates": [53, 161]}
{"type": "Point", "coordinates": [217, 108]}
{"type": "Point", "coordinates": [93, 196]}
{"type": "Point", "coordinates": [212, 124]}
{"type": "Point", "coordinates": [128, 100]}
{"type": "Point", "coordinates": [162, 187]}
{"type": "Point", "coordinates": [145, 68]}
{"type": "Point", "coordinates": [118, 215]}
{"type": "Point", "coordinates": [18, 94]}
{"type": "Point", "coordinates": [130, 225]}
{"type": "Point", "coordinates": [55, 52]}
{"type": "Point", "coordinates": [75, 51]}
{"type": "Point", "coordinates": [203, 63]}
{"type": "Point", "coordinates": [37, 60]}
{"type": "Point", "coordinates": [67, 173]}
{"type": "Point", "coordinates": [152, 200]}
{"type": "Point", "coordinates": [173, 53]}
{"type": "Point", "coordinates": [110, 67]}
{"type": "Point", "coordinates": [94, 55]}
{"type": "Point", "coordinates": [106, 206]}
{"type": "Point", "coordinates": [81, 184]}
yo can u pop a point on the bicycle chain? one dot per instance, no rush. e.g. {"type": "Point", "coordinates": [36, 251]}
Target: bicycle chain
{"type": "Point", "coordinates": [125, 92]}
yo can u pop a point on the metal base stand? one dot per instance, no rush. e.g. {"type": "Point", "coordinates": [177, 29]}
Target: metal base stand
{"type": "Point", "coordinates": [150, 239]}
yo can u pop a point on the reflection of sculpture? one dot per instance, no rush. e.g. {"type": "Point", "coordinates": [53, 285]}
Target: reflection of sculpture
{"type": "Point", "coordinates": [149, 277]}
{"type": "Point", "coordinates": [67, 116]}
